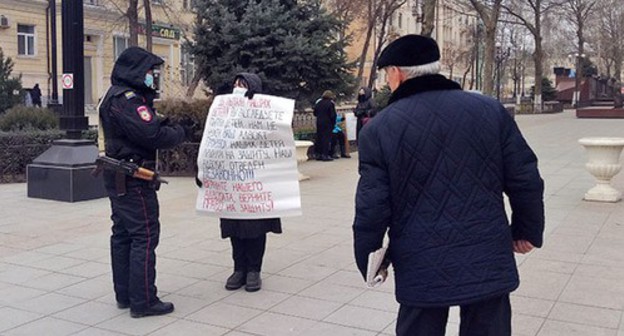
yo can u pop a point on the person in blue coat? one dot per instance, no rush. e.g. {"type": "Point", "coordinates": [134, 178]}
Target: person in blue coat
{"type": "Point", "coordinates": [434, 166]}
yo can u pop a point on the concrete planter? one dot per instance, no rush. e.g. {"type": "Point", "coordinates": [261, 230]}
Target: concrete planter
{"type": "Point", "coordinates": [301, 147]}
{"type": "Point", "coordinates": [603, 163]}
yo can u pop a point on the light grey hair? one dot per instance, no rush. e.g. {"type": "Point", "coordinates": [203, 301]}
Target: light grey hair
{"type": "Point", "coordinates": [421, 70]}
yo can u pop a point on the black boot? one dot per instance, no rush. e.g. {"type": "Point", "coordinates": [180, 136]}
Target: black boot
{"type": "Point", "coordinates": [158, 308]}
{"type": "Point", "coordinates": [235, 281]}
{"type": "Point", "coordinates": [254, 283]}
{"type": "Point", "coordinates": [123, 305]}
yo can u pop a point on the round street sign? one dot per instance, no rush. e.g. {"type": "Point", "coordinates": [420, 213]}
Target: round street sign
{"type": "Point", "coordinates": [68, 81]}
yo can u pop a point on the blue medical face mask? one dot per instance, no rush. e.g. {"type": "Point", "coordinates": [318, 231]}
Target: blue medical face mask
{"type": "Point", "coordinates": [149, 80]}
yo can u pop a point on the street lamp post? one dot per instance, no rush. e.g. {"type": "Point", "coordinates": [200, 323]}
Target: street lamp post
{"type": "Point", "coordinates": [63, 172]}
{"type": "Point", "coordinates": [576, 96]}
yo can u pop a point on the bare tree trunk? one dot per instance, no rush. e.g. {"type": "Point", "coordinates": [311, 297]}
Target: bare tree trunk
{"type": "Point", "coordinates": [488, 60]}
{"type": "Point", "coordinates": [370, 25]}
{"type": "Point", "coordinates": [133, 22]}
{"type": "Point", "coordinates": [380, 42]}
{"type": "Point", "coordinates": [463, 83]}
{"type": "Point", "coordinates": [428, 19]}
{"type": "Point", "coordinates": [148, 25]}
{"type": "Point", "coordinates": [538, 57]}
{"type": "Point", "coordinates": [362, 62]}
{"type": "Point", "coordinates": [190, 92]}
{"type": "Point", "coordinates": [579, 66]}
{"type": "Point", "coordinates": [489, 14]}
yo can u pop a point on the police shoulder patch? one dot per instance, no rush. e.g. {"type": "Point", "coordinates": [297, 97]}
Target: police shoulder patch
{"type": "Point", "coordinates": [144, 113]}
{"type": "Point", "coordinates": [130, 94]}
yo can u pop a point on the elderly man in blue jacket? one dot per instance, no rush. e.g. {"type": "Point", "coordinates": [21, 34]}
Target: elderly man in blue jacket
{"type": "Point", "coordinates": [434, 165]}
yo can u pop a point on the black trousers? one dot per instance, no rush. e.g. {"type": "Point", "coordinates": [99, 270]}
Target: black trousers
{"type": "Point", "coordinates": [338, 140]}
{"type": "Point", "coordinates": [135, 235]}
{"type": "Point", "coordinates": [248, 253]}
{"type": "Point", "coordinates": [490, 317]}
{"type": "Point", "coordinates": [322, 142]}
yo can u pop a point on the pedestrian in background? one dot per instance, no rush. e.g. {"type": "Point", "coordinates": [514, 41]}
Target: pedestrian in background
{"type": "Point", "coordinates": [339, 138]}
{"type": "Point", "coordinates": [35, 94]}
{"type": "Point", "coordinates": [433, 170]}
{"type": "Point", "coordinates": [133, 132]}
{"type": "Point", "coordinates": [325, 113]}
{"type": "Point", "coordinates": [364, 110]}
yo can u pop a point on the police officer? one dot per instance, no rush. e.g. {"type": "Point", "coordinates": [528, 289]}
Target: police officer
{"type": "Point", "coordinates": [133, 132]}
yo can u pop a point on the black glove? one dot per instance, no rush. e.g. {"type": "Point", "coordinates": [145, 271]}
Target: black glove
{"type": "Point", "coordinates": [189, 128]}
{"type": "Point", "coordinates": [250, 93]}
{"type": "Point", "coordinates": [188, 132]}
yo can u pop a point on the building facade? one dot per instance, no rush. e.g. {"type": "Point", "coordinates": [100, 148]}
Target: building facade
{"type": "Point", "coordinates": [455, 25]}
{"type": "Point", "coordinates": [25, 38]}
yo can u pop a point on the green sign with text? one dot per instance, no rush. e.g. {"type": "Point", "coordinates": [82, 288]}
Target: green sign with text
{"type": "Point", "coordinates": [162, 31]}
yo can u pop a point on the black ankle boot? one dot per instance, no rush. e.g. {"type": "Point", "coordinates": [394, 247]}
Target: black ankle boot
{"type": "Point", "coordinates": [158, 308]}
{"type": "Point", "coordinates": [235, 281]}
{"type": "Point", "coordinates": [254, 283]}
{"type": "Point", "coordinates": [123, 305]}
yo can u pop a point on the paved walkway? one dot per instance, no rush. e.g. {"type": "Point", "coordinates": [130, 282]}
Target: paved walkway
{"type": "Point", "coordinates": [55, 272]}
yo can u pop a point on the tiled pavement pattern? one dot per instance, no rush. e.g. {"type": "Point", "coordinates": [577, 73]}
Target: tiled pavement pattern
{"type": "Point", "coordinates": [55, 273]}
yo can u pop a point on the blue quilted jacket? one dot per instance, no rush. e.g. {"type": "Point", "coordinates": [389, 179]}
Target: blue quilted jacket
{"type": "Point", "coordinates": [434, 166]}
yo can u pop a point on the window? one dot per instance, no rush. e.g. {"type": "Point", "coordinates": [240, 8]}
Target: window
{"type": "Point", "coordinates": [400, 20]}
{"type": "Point", "coordinates": [25, 40]}
{"type": "Point", "coordinates": [90, 2]}
{"type": "Point", "coordinates": [120, 44]}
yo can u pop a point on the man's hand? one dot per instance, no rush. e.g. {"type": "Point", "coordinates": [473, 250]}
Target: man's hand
{"type": "Point", "coordinates": [522, 246]}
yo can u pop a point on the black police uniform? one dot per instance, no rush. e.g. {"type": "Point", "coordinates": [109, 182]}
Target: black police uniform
{"type": "Point", "coordinates": [133, 132]}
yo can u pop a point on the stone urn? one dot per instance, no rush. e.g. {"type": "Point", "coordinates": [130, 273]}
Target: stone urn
{"type": "Point", "coordinates": [603, 162]}
{"type": "Point", "coordinates": [301, 147]}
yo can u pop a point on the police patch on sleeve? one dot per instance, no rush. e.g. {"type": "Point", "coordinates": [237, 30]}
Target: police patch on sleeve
{"type": "Point", "coordinates": [144, 113]}
{"type": "Point", "coordinates": [129, 95]}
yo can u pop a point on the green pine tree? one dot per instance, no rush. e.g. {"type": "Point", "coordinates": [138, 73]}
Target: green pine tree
{"type": "Point", "coordinates": [548, 91]}
{"type": "Point", "coordinates": [292, 45]}
{"type": "Point", "coordinates": [8, 86]}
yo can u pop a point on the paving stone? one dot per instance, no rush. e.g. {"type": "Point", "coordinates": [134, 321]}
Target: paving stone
{"type": "Point", "coordinates": [370, 319]}
{"type": "Point", "coordinates": [598, 317]}
{"type": "Point", "coordinates": [224, 314]}
{"type": "Point", "coordinates": [557, 328]}
{"type": "Point", "coordinates": [272, 324]}
{"type": "Point", "coordinates": [572, 286]}
{"type": "Point", "coordinates": [48, 326]}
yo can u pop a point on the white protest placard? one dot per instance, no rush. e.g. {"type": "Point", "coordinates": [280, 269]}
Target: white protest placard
{"type": "Point", "coordinates": [247, 161]}
{"type": "Point", "coordinates": [351, 121]}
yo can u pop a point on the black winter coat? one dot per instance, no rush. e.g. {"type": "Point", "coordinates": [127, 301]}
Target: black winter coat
{"type": "Point", "coordinates": [325, 113]}
{"type": "Point", "coordinates": [132, 130]}
{"type": "Point", "coordinates": [433, 168]}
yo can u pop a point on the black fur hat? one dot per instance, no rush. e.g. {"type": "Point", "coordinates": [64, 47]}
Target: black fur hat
{"type": "Point", "coordinates": [409, 50]}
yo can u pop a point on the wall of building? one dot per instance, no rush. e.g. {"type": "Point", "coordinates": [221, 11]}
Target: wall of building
{"type": "Point", "coordinates": [103, 21]}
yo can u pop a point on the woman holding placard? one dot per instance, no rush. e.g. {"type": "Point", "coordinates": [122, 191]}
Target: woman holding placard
{"type": "Point", "coordinates": [248, 236]}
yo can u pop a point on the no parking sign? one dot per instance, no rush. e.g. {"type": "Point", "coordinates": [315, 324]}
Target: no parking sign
{"type": "Point", "coordinates": [68, 81]}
